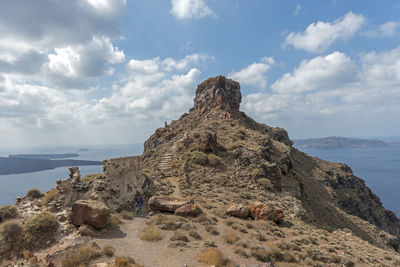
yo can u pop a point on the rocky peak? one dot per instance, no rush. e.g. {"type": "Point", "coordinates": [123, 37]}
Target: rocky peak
{"type": "Point", "coordinates": [218, 92]}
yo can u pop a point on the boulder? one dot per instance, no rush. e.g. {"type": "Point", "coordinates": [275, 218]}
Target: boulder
{"type": "Point", "coordinates": [260, 211]}
{"type": "Point", "coordinates": [167, 203]}
{"type": "Point", "coordinates": [188, 210]}
{"type": "Point", "coordinates": [239, 211]}
{"type": "Point", "coordinates": [90, 212]}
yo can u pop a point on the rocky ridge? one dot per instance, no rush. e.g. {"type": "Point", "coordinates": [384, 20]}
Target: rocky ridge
{"type": "Point", "coordinates": [217, 180]}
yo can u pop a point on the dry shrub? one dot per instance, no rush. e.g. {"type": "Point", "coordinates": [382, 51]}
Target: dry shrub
{"type": "Point", "coordinates": [211, 230]}
{"type": "Point", "coordinates": [121, 262]}
{"type": "Point", "coordinates": [179, 237]}
{"type": "Point", "coordinates": [214, 160]}
{"type": "Point", "coordinates": [11, 234]}
{"type": "Point", "coordinates": [109, 251]}
{"type": "Point", "coordinates": [195, 235]}
{"type": "Point", "coordinates": [8, 212]}
{"type": "Point", "coordinates": [27, 254]}
{"type": "Point", "coordinates": [198, 157]}
{"type": "Point", "coordinates": [34, 193]}
{"type": "Point", "coordinates": [126, 215]}
{"type": "Point", "coordinates": [81, 256]}
{"type": "Point", "coordinates": [230, 237]}
{"type": "Point", "coordinates": [211, 256]}
{"type": "Point", "coordinates": [150, 234]}
{"type": "Point", "coordinates": [91, 177]}
{"type": "Point", "coordinates": [266, 183]}
{"type": "Point", "coordinates": [49, 197]}
{"type": "Point", "coordinates": [169, 222]}
{"type": "Point", "coordinates": [40, 230]}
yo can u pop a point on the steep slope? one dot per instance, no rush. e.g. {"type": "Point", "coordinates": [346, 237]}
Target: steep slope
{"type": "Point", "coordinates": [221, 154]}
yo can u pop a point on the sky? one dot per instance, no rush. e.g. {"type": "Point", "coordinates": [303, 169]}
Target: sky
{"type": "Point", "coordinates": [83, 72]}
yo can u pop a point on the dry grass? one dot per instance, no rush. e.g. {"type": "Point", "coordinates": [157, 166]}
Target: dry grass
{"type": "Point", "coordinates": [34, 193]}
{"type": "Point", "coordinates": [150, 234]}
{"type": "Point", "coordinates": [27, 254]}
{"type": "Point", "coordinates": [49, 197]}
{"type": "Point", "coordinates": [115, 219]}
{"type": "Point", "coordinates": [121, 262]}
{"type": "Point", "coordinates": [197, 157]}
{"type": "Point", "coordinates": [109, 251]}
{"type": "Point", "coordinates": [214, 160]}
{"type": "Point", "coordinates": [211, 256]}
{"type": "Point", "coordinates": [195, 234]}
{"type": "Point", "coordinates": [230, 237]}
{"type": "Point", "coordinates": [8, 212]}
{"type": "Point", "coordinates": [91, 177]}
{"type": "Point", "coordinates": [265, 183]}
{"type": "Point", "coordinates": [40, 230]}
{"type": "Point", "coordinates": [81, 256]}
{"type": "Point", "coordinates": [11, 234]}
{"type": "Point", "coordinates": [126, 215]}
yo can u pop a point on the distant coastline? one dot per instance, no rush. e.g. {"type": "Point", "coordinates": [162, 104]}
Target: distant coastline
{"type": "Point", "coordinates": [26, 163]}
{"type": "Point", "coordinates": [333, 142]}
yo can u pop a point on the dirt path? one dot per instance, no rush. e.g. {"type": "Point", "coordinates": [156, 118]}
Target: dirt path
{"type": "Point", "coordinates": [126, 241]}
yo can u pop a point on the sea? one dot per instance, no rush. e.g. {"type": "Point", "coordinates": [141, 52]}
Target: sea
{"type": "Point", "coordinates": [14, 185]}
{"type": "Point", "coordinates": [379, 167]}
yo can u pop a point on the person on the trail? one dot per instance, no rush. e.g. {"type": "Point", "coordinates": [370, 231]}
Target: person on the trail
{"type": "Point", "coordinates": [138, 205]}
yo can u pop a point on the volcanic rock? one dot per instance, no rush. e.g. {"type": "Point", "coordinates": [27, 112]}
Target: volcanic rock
{"type": "Point", "coordinates": [240, 211]}
{"type": "Point", "coordinates": [90, 212]}
{"type": "Point", "coordinates": [260, 211]}
{"type": "Point", "coordinates": [188, 210]}
{"type": "Point", "coordinates": [167, 203]}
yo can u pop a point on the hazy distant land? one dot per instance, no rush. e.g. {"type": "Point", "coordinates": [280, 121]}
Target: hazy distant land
{"type": "Point", "coordinates": [338, 142]}
{"type": "Point", "coordinates": [24, 163]}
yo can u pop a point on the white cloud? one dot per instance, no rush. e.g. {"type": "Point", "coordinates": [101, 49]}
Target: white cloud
{"type": "Point", "coordinates": [297, 9]}
{"type": "Point", "coordinates": [384, 30]}
{"type": "Point", "coordinates": [319, 36]}
{"type": "Point", "coordinates": [187, 9]}
{"type": "Point", "coordinates": [334, 94]}
{"type": "Point", "coordinates": [254, 74]}
{"type": "Point", "coordinates": [319, 73]}
{"type": "Point", "coordinates": [45, 44]}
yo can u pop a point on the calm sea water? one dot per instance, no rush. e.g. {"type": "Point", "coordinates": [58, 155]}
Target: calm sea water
{"type": "Point", "coordinates": [378, 167]}
{"type": "Point", "coordinates": [14, 185]}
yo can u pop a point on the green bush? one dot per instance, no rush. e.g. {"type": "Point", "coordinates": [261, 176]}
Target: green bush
{"type": "Point", "coordinates": [10, 234]}
{"type": "Point", "coordinates": [8, 212]}
{"type": "Point", "coordinates": [39, 230]}
{"type": "Point", "coordinates": [34, 193]}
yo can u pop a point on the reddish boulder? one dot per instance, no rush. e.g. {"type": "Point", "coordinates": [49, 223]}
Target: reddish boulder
{"type": "Point", "coordinates": [167, 203]}
{"type": "Point", "coordinates": [260, 211]}
{"type": "Point", "coordinates": [90, 212]}
{"type": "Point", "coordinates": [188, 210]}
{"type": "Point", "coordinates": [239, 211]}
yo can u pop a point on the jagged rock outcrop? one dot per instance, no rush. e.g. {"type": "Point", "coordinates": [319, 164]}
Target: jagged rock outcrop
{"type": "Point", "coordinates": [217, 148]}
{"type": "Point", "coordinates": [260, 211]}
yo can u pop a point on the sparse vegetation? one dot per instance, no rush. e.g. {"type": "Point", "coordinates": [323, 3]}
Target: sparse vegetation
{"type": "Point", "coordinates": [121, 262]}
{"type": "Point", "coordinates": [179, 237]}
{"type": "Point", "coordinates": [49, 197]}
{"type": "Point", "coordinates": [197, 157]}
{"type": "Point", "coordinates": [8, 212]}
{"type": "Point", "coordinates": [230, 237]}
{"type": "Point", "coordinates": [211, 257]}
{"type": "Point", "coordinates": [150, 234]}
{"type": "Point", "coordinates": [195, 235]}
{"type": "Point", "coordinates": [266, 183]}
{"type": "Point", "coordinates": [115, 219]}
{"type": "Point", "coordinates": [91, 177]}
{"type": "Point", "coordinates": [34, 193]}
{"type": "Point", "coordinates": [109, 251]}
{"type": "Point", "coordinates": [40, 230]}
{"type": "Point", "coordinates": [81, 256]}
{"type": "Point", "coordinates": [169, 222]}
{"type": "Point", "coordinates": [11, 234]}
{"type": "Point", "coordinates": [126, 215]}
{"type": "Point", "coordinates": [214, 160]}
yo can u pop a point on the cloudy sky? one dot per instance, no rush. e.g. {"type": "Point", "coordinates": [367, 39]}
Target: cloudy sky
{"type": "Point", "coordinates": [112, 71]}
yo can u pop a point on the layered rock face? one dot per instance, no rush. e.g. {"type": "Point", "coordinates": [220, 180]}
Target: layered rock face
{"type": "Point", "coordinates": [216, 148]}
{"type": "Point", "coordinates": [218, 92]}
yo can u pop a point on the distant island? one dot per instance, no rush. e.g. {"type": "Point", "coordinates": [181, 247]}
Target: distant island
{"type": "Point", "coordinates": [337, 142]}
{"type": "Point", "coordinates": [44, 156]}
{"type": "Point", "coordinates": [24, 163]}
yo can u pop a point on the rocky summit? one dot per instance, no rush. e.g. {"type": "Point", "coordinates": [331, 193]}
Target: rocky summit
{"type": "Point", "coordinates": [218, 189]}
